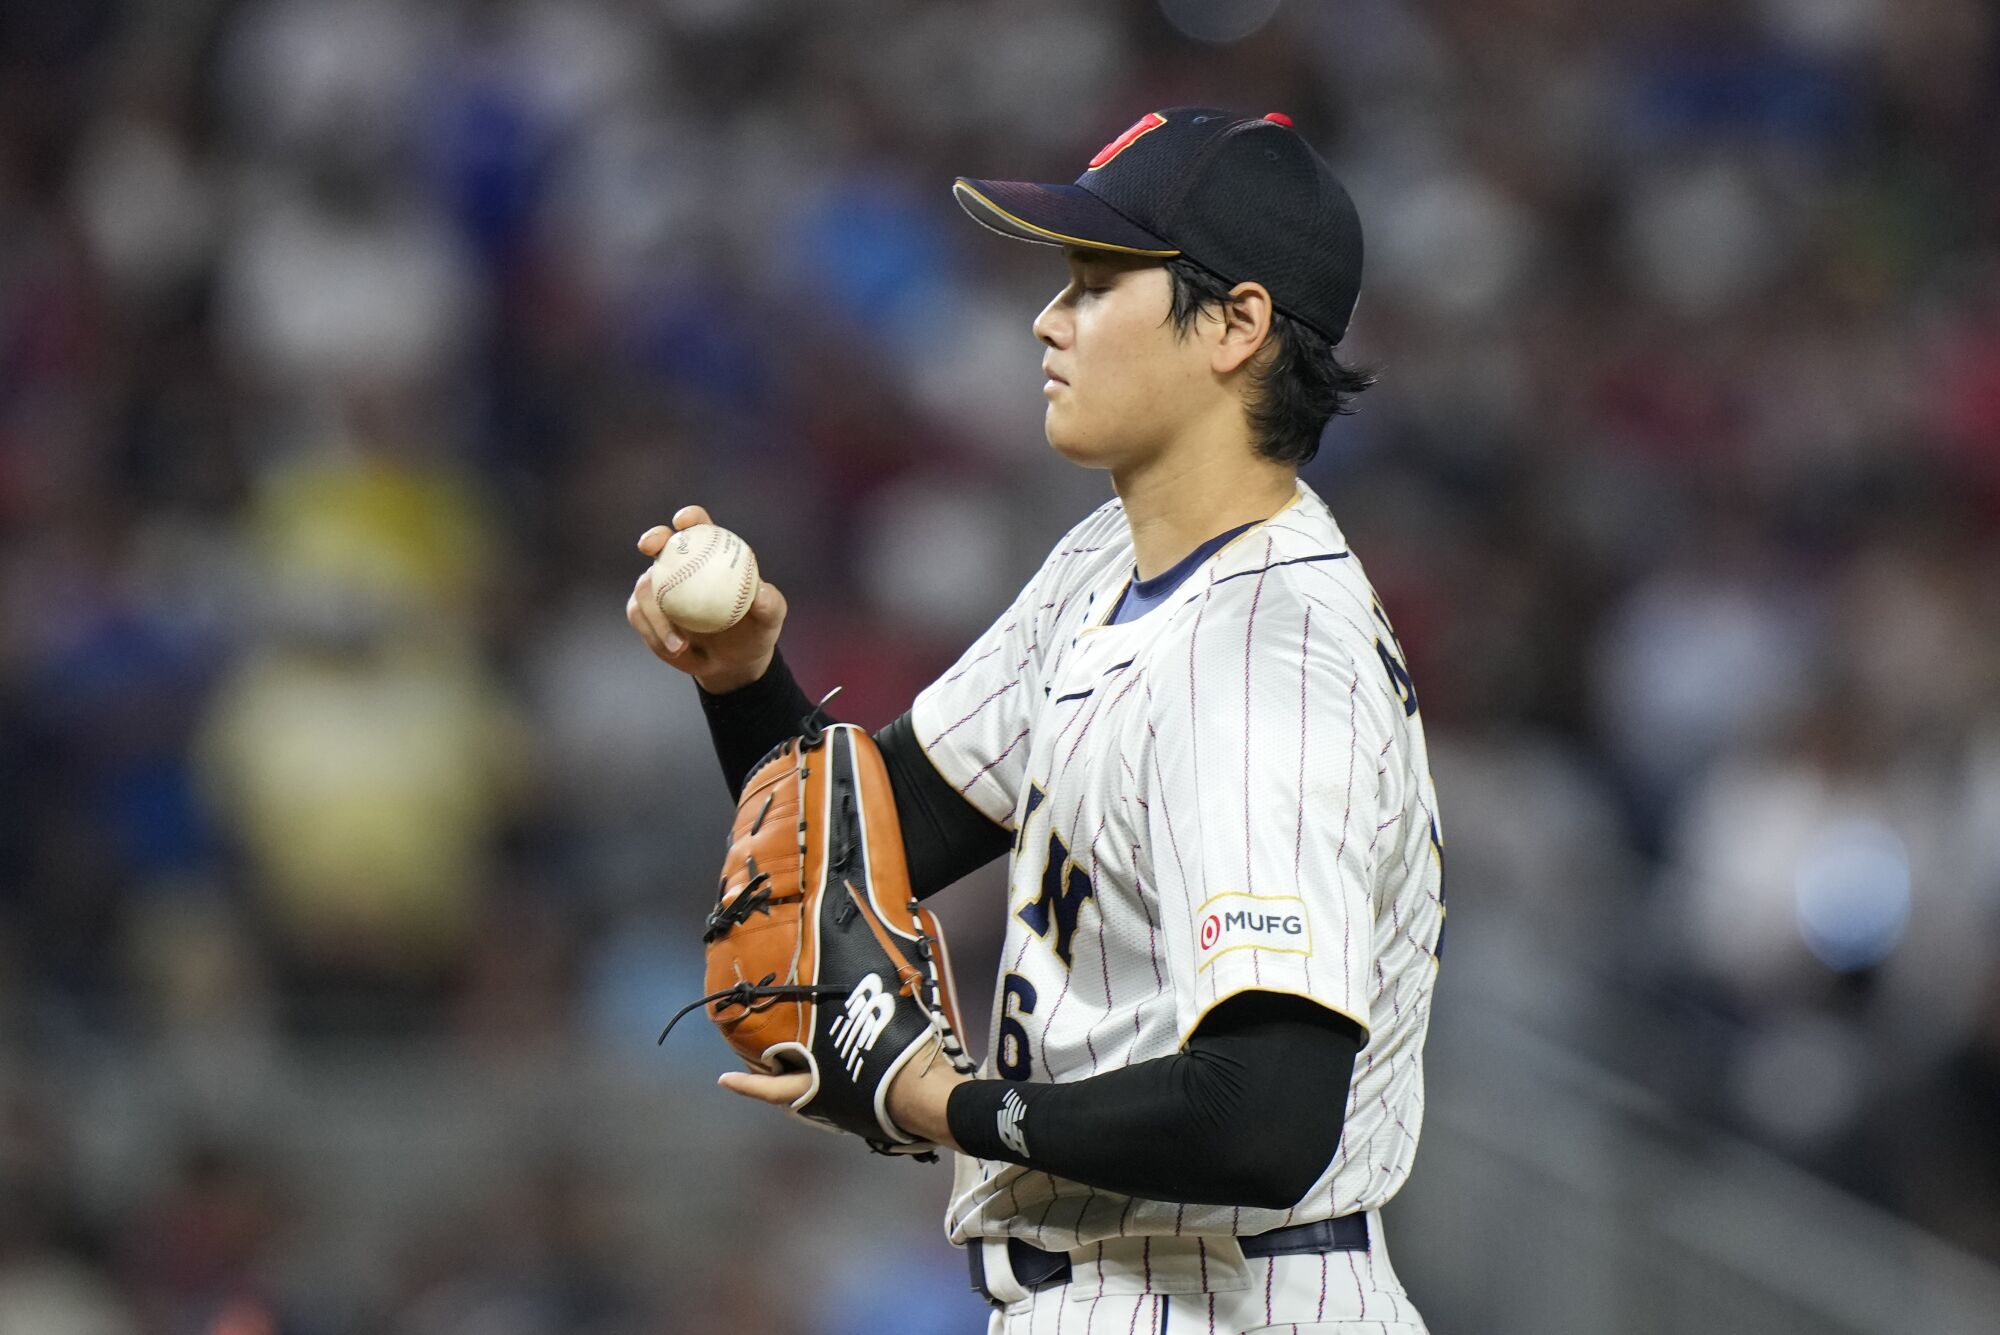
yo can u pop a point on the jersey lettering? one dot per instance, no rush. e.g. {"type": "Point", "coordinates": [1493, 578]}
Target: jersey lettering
{"type": "Point", "coordinates": [1017, 998]}
{"type": "Point", "coordinates": [1064, 888]}
{"type": "Point", "coordinates": [1035, 798]}
{"type": "Point", "coordinates": [1393, 663]}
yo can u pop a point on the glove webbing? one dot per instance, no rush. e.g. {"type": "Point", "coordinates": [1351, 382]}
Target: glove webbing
{"type": "Point", "coordinates": [755, 897]}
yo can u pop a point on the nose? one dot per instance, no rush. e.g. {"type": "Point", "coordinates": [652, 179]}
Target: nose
{"type": "Point", "coordinates": [1052, 325]}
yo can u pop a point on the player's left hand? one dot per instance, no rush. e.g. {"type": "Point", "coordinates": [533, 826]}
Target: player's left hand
{"type": "Point", "coordinates": [917, 1099]}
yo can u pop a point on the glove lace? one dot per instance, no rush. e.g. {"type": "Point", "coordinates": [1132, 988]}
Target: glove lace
{"type": "Point", "coordinates": [748, 995]}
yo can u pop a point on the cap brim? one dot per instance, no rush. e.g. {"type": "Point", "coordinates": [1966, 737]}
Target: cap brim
{"type": "Point", "coordinates": [1055, 215]}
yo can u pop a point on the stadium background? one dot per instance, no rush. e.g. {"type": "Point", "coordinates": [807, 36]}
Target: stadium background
{"type": "Point", "coordinates": [351, 846]}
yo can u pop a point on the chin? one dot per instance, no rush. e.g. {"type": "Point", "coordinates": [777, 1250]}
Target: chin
{"type": "Point", "coordinates": [1073, 446]}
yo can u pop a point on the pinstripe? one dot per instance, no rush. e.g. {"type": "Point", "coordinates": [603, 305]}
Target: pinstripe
{"type": "Point", "coordinates": [984, 770]}
{"type": "Point", "coordinates": [1346, 815]}
{"type": "Point", "coordinates": [1166, 810]}
{"type": "Point", "coordinates": [1049, 1020]}
{"type": "Point", "coordinates": [1125, 1215]}
{"type": "Point", "coordinates": [1299, 823]}
{"type": "Point", "coordinates": [979, 708]}
{"type": "Point", "coordinates": [1194, 727]}
{"type": "Point", "coordinates": [1152, 937]}
{"type": "Point", "coordinates": [1103, 956]}
{"type": "Point", "coordinates": [1395, 1303]}
{"type": "Point", "coordinates": [970, 664]}
{"type": "Point", "coordinates": [1362, 634]}
{"type": "Point", "coordinates": [1249, 643]}
{"type": "Point", "coordinates": [1078, 741]}
{"type": "Point", "coordinates": [1075, 715]}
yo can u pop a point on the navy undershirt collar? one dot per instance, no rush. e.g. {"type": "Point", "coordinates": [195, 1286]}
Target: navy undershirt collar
{"type": "Point", "coordinates": [1143, 595]}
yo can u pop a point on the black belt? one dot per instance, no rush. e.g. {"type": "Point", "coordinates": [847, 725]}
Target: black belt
{"type": "Point", "coordinates": [1035, 1269]}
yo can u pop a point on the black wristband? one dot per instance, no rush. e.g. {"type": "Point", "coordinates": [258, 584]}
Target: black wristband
{"type": "Point", "coordinates": [744, 724]}
{"type": "Point", "coordinates": [973, 1114]}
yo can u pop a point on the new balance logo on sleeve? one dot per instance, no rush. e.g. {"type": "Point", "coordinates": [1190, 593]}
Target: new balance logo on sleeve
{"type": "Point", "coordinates": [1012, 1109]}
{"type": "Point", "coordinates": [869, 1010]}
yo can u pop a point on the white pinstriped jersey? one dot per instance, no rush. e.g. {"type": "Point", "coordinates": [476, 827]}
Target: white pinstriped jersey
{"type": "Point", "coordinates": [1230, 792]}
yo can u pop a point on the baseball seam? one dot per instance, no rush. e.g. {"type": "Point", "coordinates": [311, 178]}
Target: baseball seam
{"type": "Point", "coordinates": [744, 593]}
{"type": "Point", "coordinates": [700, 559]}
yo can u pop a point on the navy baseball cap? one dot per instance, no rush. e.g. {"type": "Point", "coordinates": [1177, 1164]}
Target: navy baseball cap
{"type": "Point", "coordinates": [1247, 199]}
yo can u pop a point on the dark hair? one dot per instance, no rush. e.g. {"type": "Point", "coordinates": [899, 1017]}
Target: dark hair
{"type": "Point", "coordinates": [1301, 385]}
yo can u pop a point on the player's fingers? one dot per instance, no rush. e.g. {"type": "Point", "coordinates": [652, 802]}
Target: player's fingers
{"type": "Point", "coordinates": [655, 538]}
{"type": "Point", "coordinates": [642, 609]}
{"type": "Point", "coordinates": [636, 616]}
{"type": "Point", "coordinates": [779, 1090]}
{"type": "Point", "coordinates": [690, 515]}
{"type": "Point", "coordinates": [768, 607]}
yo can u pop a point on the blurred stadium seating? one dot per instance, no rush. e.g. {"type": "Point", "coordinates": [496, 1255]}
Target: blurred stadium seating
{"type": "Point", "coordinates": [351, 846]}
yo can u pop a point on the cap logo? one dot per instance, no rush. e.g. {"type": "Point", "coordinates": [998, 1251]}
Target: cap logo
{"type": "Point", "coordinates": [1146, 124]}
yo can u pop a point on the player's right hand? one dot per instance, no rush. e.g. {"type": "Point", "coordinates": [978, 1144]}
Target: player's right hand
{"type": "Point", "coordinates": [724, 660]}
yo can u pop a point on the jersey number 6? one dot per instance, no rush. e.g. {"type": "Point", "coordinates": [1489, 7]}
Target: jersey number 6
{"type": "Point", "coordinates": [1017, 998]}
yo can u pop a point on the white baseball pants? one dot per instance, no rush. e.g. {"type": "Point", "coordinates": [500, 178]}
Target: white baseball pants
{"type": "Point", "coordinates": [1325, 1293]}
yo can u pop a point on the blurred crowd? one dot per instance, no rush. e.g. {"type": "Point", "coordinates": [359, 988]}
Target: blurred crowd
{"type": "Point", "coordinates": [347, 346]}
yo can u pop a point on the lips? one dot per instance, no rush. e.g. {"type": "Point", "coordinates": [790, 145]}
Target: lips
{"type": "Point", "coordinates": [1049, 371]}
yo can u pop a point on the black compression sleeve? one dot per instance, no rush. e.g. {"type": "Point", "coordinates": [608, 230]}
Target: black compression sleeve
{"type": "Point", "coordinates": [944, 836]}
{"type": "Point", "coordinates": [747, 722]}
{"type": "Point", "coordinates": [1249, 1113]}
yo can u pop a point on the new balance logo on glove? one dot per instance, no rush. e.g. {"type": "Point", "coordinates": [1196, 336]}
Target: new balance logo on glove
{"type": "Point", "coordinates": [869, 1010]}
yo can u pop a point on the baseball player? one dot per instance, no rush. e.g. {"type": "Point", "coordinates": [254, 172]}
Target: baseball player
{"type": "Point", "coordinates": [1195, 735]}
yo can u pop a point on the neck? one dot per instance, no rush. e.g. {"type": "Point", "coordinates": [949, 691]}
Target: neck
{"type": "Point", "coordinates": [1180, 499]}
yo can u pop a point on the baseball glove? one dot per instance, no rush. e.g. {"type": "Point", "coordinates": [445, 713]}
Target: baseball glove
{"type": "Point", "coordinates": [819, 957]}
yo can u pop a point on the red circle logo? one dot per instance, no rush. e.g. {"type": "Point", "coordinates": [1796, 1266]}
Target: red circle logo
{"type": "Point", "coordinates": [1211, 930]}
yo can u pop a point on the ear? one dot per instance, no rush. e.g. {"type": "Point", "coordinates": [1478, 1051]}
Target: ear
{"type": "Point", "coordinates": [1246, 326]}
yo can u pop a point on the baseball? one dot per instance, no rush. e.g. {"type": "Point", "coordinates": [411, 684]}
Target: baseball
{"type": "Point", "coordinates": [704, 578]}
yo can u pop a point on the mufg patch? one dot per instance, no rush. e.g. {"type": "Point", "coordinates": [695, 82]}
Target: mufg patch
{"type": "Point", "coordinates": [1237, 921]}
